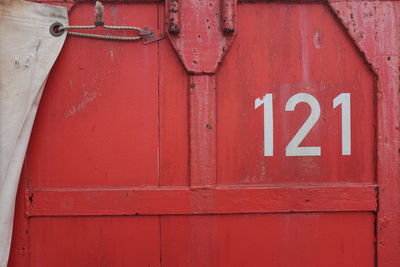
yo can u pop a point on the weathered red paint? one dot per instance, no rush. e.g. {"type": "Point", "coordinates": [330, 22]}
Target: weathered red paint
{"type": "Point", "coordinates": [134, 142]}
{"type": "Point", "coordinates": [297, 239]}
{"type": "Point", "coordinates": [375, 28]}
{"type": "Point", "coordinates": [229, 10]}
{"type": "Point", "coordinates": [201, 45]}
{"type": "Point", "coordinates": [202, 201]}
{"type": "Point", "coordinates": [203, 172]}
{"type": "Point", "coordinates": [173, 14]}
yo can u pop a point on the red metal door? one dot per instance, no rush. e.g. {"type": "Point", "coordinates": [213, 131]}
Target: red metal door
{"type": "Point", "coordinates": [147, 155]}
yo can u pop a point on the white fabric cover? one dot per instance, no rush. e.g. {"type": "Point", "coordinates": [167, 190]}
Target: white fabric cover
{"type": "Point", "coordinates": [27, 52]}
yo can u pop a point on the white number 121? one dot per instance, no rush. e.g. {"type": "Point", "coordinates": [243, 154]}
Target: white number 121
{"type": "Point", "coordinates": [293, 148]}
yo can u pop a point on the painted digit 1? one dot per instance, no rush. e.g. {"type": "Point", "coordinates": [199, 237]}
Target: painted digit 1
{"type": "Point", "coordinates": [344, 100]}
{"type": "Point", "coordinates": [268, 123]}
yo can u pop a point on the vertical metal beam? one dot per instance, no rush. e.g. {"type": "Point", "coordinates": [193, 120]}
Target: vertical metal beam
{"type": "Point", "coordinates": [202, 131]}
{"type": "Point", "coordinates": [201, 33]}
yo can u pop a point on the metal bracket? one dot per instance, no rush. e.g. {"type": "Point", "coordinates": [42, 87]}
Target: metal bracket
{"type": "Point", "coordinates": [208, 32]}
{"type": "Point", "coordinates": [156, 35]}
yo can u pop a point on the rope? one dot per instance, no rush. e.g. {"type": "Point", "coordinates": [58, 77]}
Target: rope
{"type": "Point", "coordinates": [57, 29]}
{"type": "Point", "coordinates": [140, 31]}
{"type": "Point", "coordinates": [106, 37]}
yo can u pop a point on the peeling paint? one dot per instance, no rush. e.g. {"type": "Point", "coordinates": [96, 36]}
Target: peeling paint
{"type": "Point", "coordinates": [87, 98]}
{"type": "Point", "coordinates": [317, 40]}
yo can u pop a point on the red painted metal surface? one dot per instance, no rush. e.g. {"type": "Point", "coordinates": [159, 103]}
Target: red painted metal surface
{"type": "Point", "coordinates": [201, 44]}
{"type": "Point", "coordinates": [299, 239]}
{"type": "Point", "coordinates": [153, 155]}
{"type": "Point", "coordinates": [375, 28]}
{"type": "Point", "coordinates": [284, 61]}
{"type": "Point", "coordinates": [202, 201]}
{"type": "Point", "coordinates": [202, 131]}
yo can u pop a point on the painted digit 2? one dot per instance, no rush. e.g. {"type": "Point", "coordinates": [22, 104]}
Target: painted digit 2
{"type": "Point", "coordinates": [293, 148]}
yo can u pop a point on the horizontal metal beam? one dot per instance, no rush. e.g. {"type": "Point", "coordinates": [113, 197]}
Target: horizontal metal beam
{"type": "Point", "coordinates": [175, 201]}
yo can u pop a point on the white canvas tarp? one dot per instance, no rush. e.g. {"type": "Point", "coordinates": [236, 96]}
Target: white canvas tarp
{"type": "Point", "coordinates": [27, 52]}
